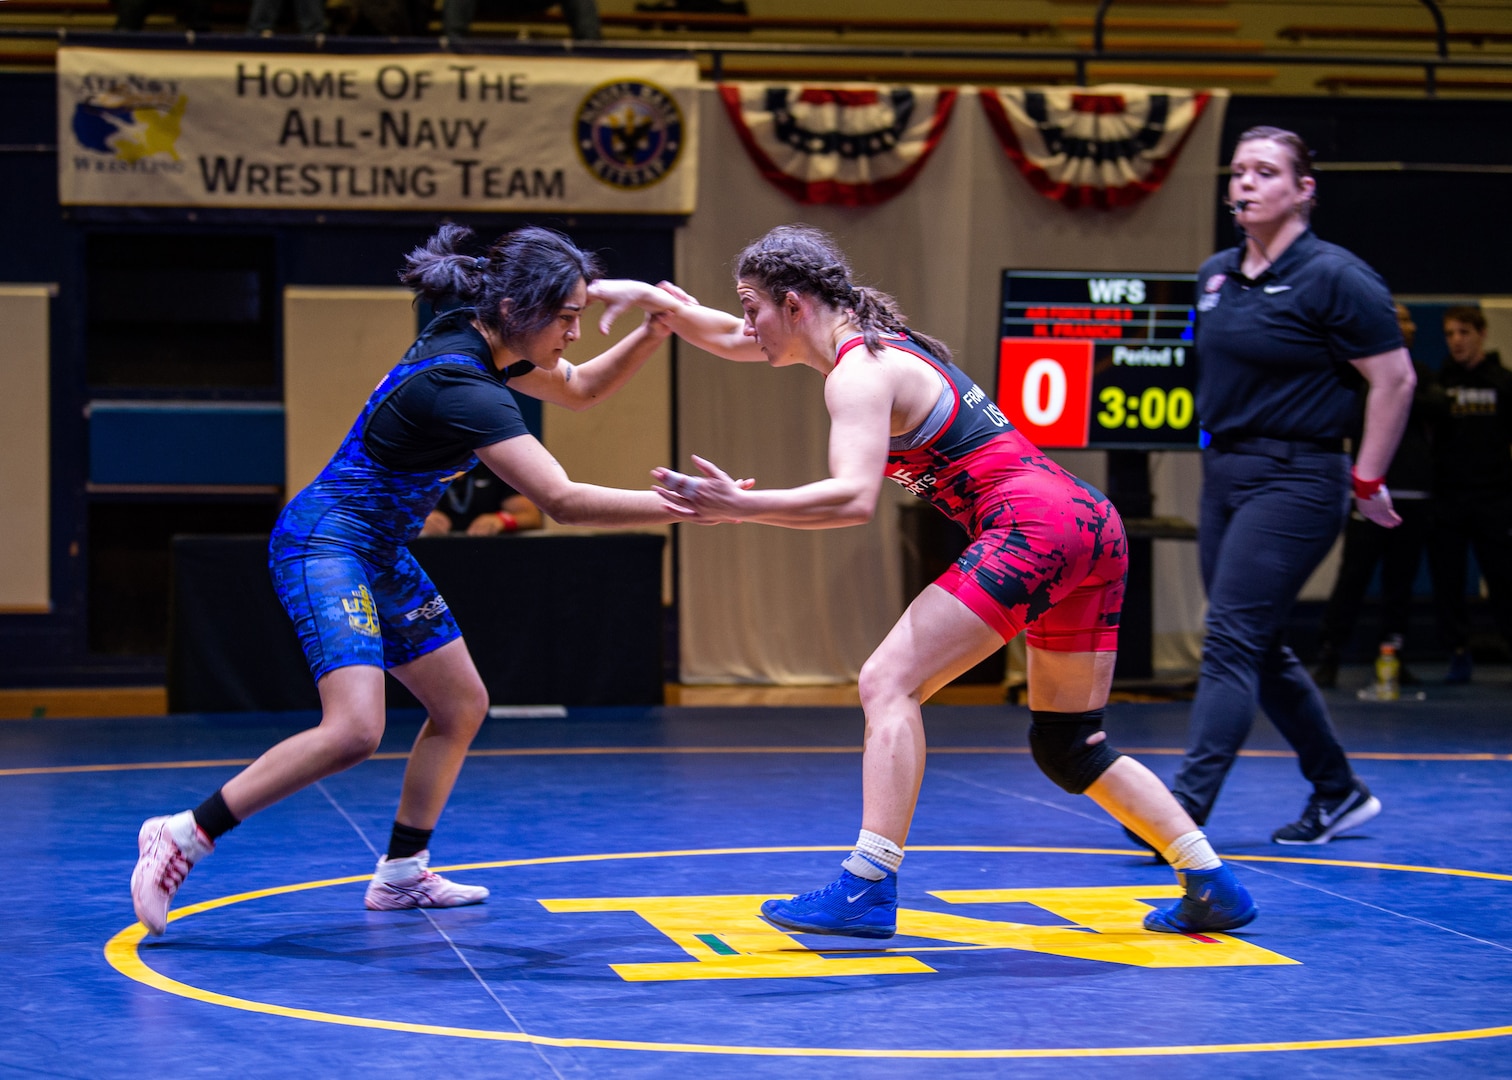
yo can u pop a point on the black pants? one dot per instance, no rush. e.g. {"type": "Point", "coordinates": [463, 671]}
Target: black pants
{"type": "Point", "coordinates": [309, 16]}
{"type": "Point", "coordinates": [1268, 517]}
{"type": "Point", "coordinates": [1399, 554]}
{"type": "Point", "coordinates": [1462, 522]}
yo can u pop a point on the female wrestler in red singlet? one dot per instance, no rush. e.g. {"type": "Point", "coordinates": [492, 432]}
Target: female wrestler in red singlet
{"type": "Point", "coordinates": [1047, 555]}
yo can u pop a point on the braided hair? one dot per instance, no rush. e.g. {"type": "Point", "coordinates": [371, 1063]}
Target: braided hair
{"type": "Point", "coordinates": [515, 289]}
{"type": "Point", "coordinates": [803, 259]}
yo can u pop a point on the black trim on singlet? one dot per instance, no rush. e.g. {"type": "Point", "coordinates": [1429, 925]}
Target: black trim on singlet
{"type": "Point", "coordinates": [449, 334]}
{"type": "Point", "coordinates": [973, 421]}
{"type": "Point", "coordinates": [905, 342]}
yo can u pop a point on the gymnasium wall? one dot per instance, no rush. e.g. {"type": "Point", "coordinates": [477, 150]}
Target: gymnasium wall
{"type": "Point", "coordinates": [755, 604]}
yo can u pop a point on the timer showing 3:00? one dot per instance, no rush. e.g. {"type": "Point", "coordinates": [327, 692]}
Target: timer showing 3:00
{"type": "Point", "coordinates": [1069, 394]}
{"type": "Point", "coordinates": [1150, 409]}
{"type": "Point", "coordinates": [1098, 359]}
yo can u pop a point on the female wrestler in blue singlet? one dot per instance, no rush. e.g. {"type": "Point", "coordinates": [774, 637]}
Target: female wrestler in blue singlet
{"type": "Point", "coordinates": [1047, 553]}
{"type": "Point", "coordinates": [341, 566]}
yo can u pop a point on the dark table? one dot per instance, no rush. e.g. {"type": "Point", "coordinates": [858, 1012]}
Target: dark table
{"type": "Point", "coordinates": [549, 619]}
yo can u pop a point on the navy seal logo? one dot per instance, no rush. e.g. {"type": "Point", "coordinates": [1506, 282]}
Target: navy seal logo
{"type": "Point", "coordinates": [629, 133]}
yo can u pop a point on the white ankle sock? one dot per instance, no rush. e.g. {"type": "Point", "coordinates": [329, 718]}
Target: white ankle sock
{"type": "Point", "coordinates": [1191, 851]}
{"type": "Point", "coordinates": [189, 837]}
{"type": "Point", "coordinates": [402, 869]}
{"type": "Point", "coordinates": [877, 850]}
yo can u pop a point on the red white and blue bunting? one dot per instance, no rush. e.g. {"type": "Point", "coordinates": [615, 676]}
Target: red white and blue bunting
{"type": "Point", "coordinates": [855, 146]}
{"type": "Point", "coordinates": [1103, 146]}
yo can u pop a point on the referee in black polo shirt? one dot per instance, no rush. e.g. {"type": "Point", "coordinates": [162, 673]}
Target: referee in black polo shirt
{"type": "Point", "coordinates": [1287, 328]}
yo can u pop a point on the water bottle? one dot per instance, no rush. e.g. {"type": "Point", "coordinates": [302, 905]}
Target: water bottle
{"type": "Point", "coordinates": [1388, 671]}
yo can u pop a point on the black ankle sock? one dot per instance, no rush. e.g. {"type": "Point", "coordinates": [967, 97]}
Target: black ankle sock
{"type": "Point", "coordinates": [214, 817]}
{"type": "Point", "coordinates": [405, 841]}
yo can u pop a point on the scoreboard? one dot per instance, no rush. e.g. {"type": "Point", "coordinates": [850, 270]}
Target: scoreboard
{"type": "Point", "coordinates": [1102, 360]}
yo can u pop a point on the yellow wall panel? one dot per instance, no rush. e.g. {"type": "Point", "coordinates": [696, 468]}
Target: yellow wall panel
{"type": "Point", "coordinates": [24, 480]}
{"type": "Point", "coordinates": [338, 342]}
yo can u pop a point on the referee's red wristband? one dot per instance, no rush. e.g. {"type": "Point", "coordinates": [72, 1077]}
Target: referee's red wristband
{"type": "Point", "coordinates": [511, 523]}
{"type": "Point", "coordinates": [1364, 489]}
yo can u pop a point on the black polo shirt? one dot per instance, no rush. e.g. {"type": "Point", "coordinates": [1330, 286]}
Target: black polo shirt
{"type": "Point", "coordinates": [1273, 353]}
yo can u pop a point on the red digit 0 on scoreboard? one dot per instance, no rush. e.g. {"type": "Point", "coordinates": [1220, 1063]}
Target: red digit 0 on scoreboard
{"type": "Point", "coordinates": [1045, 389]}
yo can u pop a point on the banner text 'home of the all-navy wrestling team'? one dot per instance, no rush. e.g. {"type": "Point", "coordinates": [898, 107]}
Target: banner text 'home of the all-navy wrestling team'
{"type": "Point", "coordinates": [503, 134]}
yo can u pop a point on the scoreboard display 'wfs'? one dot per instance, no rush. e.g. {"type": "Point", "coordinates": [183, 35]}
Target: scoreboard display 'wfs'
{"type": "Point", "coordinates": [1101, 360]}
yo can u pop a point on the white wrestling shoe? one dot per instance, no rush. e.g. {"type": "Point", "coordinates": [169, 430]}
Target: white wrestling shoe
{"type": "Point", "coordinates": [166, 848]}
{"type": "Point", "coordinates": [409, 883]}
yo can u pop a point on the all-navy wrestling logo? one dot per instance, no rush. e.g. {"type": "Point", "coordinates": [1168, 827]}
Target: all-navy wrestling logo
{"type": "Point", "coordinates": [629, 133]}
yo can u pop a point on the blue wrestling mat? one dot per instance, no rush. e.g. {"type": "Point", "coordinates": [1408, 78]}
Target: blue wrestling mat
{"type": "Point", "coordinates": [628, 851]}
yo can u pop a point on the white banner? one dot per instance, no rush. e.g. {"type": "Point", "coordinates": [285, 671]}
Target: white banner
{"type": "Point", "coordinates": [322, 132]}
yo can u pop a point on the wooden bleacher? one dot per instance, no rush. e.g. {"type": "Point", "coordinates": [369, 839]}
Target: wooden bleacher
{"type": "Point", "coordinates": [692, 23]}
{"type": "Point", "coordinates": [1153, 3]}
{"type": "Point", "coordinates": [57, 8]}
{"type": "Point", "coordinates": [1417, 36]}
{"type": "Point", "coordinates": [1124, 35]}
{"type": "Point", "coordinates": [229, 15]}
{"type": "Point", "coordinates": [1158, 26]}
{"type": "Point", "coordinates": [1009, 73]}
{"type": "Point", "coordinates": [1397, 35]}
{"type": "Point", "coordinates": [1130, 43]}
{"type": "Point", "coordinates": [1338, 83]}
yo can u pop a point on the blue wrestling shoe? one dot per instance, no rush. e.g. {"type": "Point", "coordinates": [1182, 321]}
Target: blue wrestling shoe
{"type": "Point", "coordinates": [1214, 901]}
{"type": "Point", "coordinates": [851, 906]}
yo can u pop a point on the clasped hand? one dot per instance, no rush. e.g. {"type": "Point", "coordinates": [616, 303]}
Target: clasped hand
{"type": "Point", "coordinates": [620, 295]}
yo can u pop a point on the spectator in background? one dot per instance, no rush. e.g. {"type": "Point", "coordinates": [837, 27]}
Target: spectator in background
{"type": "Point", "coordinates": [1472, 458]}
{"type": "Point", "coordinates": [480, 504]}
{"type": "Point", "coordinates": [309, 17]}
{"type": "Point", "coordinates": [1398, 551]}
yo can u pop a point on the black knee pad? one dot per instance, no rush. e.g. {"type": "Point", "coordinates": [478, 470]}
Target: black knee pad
{"type": "Point", "coordinates": [1059, 743]}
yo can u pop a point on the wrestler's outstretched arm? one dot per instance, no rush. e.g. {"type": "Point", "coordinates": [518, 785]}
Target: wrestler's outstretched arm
{"type": "Point", "coordinates": [710, 329]}
{"type": "Point", "coordinates": [860, 407]}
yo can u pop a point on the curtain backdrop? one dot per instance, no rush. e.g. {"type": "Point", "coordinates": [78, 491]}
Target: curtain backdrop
{"type": "Point", "coordinates": [768, 605]}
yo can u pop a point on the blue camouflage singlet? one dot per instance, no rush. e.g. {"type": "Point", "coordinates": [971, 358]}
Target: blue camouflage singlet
{"type": "Point", "coordinates": [338, 554]}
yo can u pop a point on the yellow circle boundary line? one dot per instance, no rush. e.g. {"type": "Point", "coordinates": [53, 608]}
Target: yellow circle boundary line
{"type": "Point", "coordinates": [586, 751]}
{"type": "Point", "coordinates": [121, 952]}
